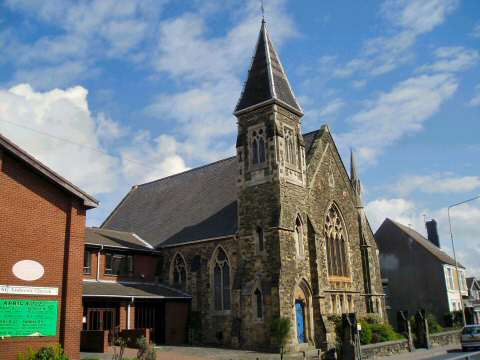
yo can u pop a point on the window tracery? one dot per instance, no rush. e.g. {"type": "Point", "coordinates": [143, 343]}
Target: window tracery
{"type": "Point", "coordinates": [258, 147]}
{"type": "Point", "coordinates": [335, 239]}
{"type": "Point", "coordinates": [179, 271]}
{"type": "Point", "coordinates": [221, 281]}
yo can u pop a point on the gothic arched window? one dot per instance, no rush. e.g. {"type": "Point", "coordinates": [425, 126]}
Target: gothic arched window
{"type": "Point", "coordinates": [260, 238]}
{"type": "Point", "coordinates": [258, 303]}
{"type": "Point", "coordinates": [298, 235]}
{"type": "Point", "coordinates": [221, 281]}
{"type": "Point", "coordinates": [258, 147]}
{"type": "Point", "coordinates": [179, 271]}
{"type": "Point", "coordinates": [335, 239]}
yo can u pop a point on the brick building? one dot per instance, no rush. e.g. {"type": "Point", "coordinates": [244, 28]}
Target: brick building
{"type": "Point", "coordinates": [277, 230]}
{"type": "Point", "coordinates": [42, 228]}
{"type": "Point", "coordinates": [122, 294]}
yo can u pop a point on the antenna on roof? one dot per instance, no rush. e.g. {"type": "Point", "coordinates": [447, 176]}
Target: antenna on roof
{"type": "Point", "coordinates": [262, 9]}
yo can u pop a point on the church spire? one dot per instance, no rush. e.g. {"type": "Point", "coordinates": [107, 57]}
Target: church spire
{"type": "Point", "coordinates": [354, 177]}
{"type": "Point", "coordinates": [267, 81]}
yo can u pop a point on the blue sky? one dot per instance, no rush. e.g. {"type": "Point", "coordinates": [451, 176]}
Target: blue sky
{"type": "Point", "coordinates": [111, 94]}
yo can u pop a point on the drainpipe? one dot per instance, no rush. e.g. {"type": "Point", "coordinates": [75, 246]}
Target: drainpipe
{"type": "Point", "coordinates": [98, 262]}
{"type": "Point", "coordinates": [128, 312]}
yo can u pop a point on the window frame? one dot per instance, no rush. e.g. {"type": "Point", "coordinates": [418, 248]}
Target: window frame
{"type": "Point", "coordinates": [175, 268]}
{"type": "Point", "coordinates": [257, 147]}
{"type": "Point", "coordinates": [225, 282]}
{"type": "Point", "coordinates": [258, 300]}
{"type": "Point", "coordinates": [87, 262]}
{"type": "Point", "coordinates": [337, 248]}
{"type": "Point", "coordinates": [110, 256]}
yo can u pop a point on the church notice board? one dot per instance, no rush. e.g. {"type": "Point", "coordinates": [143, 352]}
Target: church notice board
{"type": "Point", "coordinates": [28, 317]}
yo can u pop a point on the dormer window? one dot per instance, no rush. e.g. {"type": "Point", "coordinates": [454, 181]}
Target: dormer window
{"type": "Point", "coordinates": [258, 147]}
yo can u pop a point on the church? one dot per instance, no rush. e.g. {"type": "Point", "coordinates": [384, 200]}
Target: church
{"type": "Point", "coordinates": [278, 230]}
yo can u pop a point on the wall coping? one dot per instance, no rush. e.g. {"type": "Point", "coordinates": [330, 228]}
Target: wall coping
{"type": "Point", "coordinates": [384, 343]}
{"type": "Point", "coordinates": [448, 332]}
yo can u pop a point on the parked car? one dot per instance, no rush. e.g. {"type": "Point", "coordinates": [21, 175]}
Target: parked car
{"type": "Point", "coordinates": [470, 337]}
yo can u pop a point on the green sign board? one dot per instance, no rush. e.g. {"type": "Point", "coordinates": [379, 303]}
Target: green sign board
{"type": "Point", "coordinates": [28, 317]}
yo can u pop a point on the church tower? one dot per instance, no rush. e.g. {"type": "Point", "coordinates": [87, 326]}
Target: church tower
{"type": "Point", "coordinates": [271, 187]}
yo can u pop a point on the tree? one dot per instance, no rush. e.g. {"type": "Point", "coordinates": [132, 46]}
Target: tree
{"type": "Point", "coordinates": [279, 331]}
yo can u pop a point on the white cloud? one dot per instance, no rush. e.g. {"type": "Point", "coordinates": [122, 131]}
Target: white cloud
{"type": "Point", "coordinates": [64, 114]}
{"type": "Point", "coordinates": [410, 19]}
{"type": "Point", "coordinates": [212, 71]}
{"type": "Point", "coordinates": [475, 100]}
{"type": "Point", "coordinates": [331, 108]}
{"type": "Point", "coordinates": [57, 128]}
{"type": "Point", "coordinates": [396, 113]}
{"type": "Point", "coordinates": [464, 219]}
{"type": "Point", "coordinates": [476, 31]}
{"type": "Point", "coordinates": [85, 33]}
{"type": "Point", "coordinates": [418, 16]}
{"type": "Point", "coordinates": [398, 209]}
{"type": "Point", "coordinates": [452, 59]}
{"type": "Point", "coordinates": [436, 183]}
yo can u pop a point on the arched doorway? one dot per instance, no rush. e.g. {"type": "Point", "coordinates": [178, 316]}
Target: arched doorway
{"type": "Point", "coordinates": [303, 313]}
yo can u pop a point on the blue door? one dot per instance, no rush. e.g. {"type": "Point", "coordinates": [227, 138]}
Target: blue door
{"type": "Point", "coordinates": [299, 310]}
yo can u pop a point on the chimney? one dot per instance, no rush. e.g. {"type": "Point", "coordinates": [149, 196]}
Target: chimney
{"type": "Point", "coordinates": [433, 232]}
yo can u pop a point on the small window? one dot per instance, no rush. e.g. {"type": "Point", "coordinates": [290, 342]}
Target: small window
{"type": "Point", "coordinates": [259, 303]}
{"type": "Point", "coordinates": [258, 147]}
{"type": "Point", "coordinates": [260, 238]}
{"type": "Point", "coordinates": [221, 281]}
{"type": "Point", "coordinates": [290, 148]}
{"type": "Point", "coordinates": [298, 235]}
{"type": "Point", "coordinates": [87, 262]}
{"type": "Point", "coordinates": [118, 264]}
{"type": "Point", "coordinates": [179, 271]}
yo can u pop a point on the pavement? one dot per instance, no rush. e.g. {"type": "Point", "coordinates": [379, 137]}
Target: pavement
{"type": "Point", "coordinates": [206, 353]}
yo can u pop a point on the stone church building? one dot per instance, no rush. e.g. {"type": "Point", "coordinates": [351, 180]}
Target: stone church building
{"type": "Point", "coordinates": [278, 230]}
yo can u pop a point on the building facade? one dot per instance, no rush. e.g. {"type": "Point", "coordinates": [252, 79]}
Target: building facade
{"type": "Point", "coordinates": [42, 229]}
{"type": "Point", "coordinates": [121, 293]}
{"type": "Point", "coordinates": [406, 255]}
{"type": "Point", "coordinates": [471, 303]}
{"type": "Point", "coordinates": [278, 230]}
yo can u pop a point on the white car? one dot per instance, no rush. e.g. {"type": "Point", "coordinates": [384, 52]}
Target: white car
{"type": "Point", "coordinates": [470, 337]}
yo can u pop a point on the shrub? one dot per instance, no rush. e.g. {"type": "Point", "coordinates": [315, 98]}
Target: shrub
{"type": "Point", "coordinates": [366, 332]}
{"type": "Point", "coordinates": [145, 351]}
{"type": "Point", "coordinates": [453, 319]}
{"type": "Point", "coordinates": [433, 325]}
{"type": "Point", "coordinates": [45, 353]}
{"type": "Point", "coordinates": [384, 332]}
{"type": "Point", "coordinates": [279, 330]}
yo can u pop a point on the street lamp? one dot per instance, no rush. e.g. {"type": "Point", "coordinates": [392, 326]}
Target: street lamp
{"type": "Point", "coordinates": [455, 257]}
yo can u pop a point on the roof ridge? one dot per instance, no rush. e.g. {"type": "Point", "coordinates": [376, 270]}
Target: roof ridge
{"type": "Point", "coordinates": [185, 172]}
{"type": "Point", "coordinates": [425, 241]}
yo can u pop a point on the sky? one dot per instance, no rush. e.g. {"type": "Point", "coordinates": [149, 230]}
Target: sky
{"type": "Point", "coordinates": [116, 93]}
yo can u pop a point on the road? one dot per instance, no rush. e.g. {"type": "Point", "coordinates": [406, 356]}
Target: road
{"type": "Point", "coordinates": [455, 354]}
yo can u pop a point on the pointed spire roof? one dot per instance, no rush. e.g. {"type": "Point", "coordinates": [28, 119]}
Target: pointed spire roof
{"type": "Point", "coordinates": [267, 81]}
{"type": "Point", "coordinates": [354, 177]}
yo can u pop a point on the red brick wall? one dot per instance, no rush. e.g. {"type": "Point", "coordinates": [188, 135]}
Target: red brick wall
{"type": "Point", "coordinates": [41, 222]}
{"type": "Point", "coordinates": [142, 264]}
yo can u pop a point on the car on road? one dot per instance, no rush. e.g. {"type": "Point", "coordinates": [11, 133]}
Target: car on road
{"type": "Point", "coordinates": [470, 337]}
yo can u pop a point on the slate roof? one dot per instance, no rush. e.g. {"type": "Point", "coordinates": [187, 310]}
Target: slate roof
{"type": "Point", "coordinates": [194, 205]}
{"type": "Point", "coordinates": [43, 170]}
{"type": "Point", "coordinates": [139, 290]}
{"type": "Point", "coordinates": [266, 80]}
{"type": "Point", "coordinates": [116, 239]}
{"type": "Point", "coordinates": [425, 243]}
